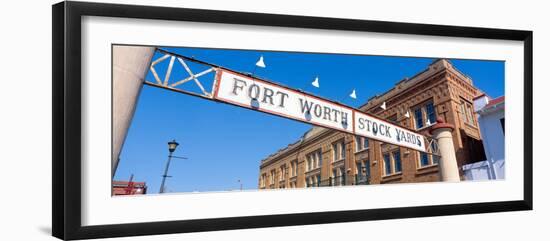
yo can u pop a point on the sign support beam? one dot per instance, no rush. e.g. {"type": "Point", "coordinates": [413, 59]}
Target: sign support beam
{"type": "Point", "coordinates": [130, 66]}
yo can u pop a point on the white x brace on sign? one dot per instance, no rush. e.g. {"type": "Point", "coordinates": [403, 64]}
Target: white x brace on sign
{"type": "Point", "coordinates": [246, 91]}
{"type": "Point", "coordinates": [260, 95]}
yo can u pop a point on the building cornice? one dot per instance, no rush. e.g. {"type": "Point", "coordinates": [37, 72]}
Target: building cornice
{"type": "Point", "coordinates": [438, 67]}
{"type": "Point", "coordinates": [292, 148]}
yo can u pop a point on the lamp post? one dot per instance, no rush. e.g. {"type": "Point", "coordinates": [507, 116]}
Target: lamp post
{"type": "Point", "coordinates": [171, 148]}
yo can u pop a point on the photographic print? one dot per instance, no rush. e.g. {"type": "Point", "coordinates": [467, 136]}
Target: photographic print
{"type": "Point", "coordinates": [170, 120]}
{"type": "Point", "coordinates": [209, 120]}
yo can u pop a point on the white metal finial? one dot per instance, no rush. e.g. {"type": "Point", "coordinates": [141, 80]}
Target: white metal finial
{"type": "Point", "coordinates": [315, 82]}
{"type": "Point", "coordinates": [353, 95]}
{"type": "Point", "coordinates": [260, 62]}
{"type": "Point", "coordinates": [383, 106]}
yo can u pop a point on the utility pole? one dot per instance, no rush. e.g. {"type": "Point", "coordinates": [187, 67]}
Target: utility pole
{"type": "Point", "coordinates": [130, 187]}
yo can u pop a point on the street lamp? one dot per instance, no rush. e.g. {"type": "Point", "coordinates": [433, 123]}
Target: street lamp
{"type": "Point", "coordinates": [172, 145]}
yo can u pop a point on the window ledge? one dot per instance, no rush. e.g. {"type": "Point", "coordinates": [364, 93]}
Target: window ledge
{"type": "Point", "coordinates": [425, 127]}
{"type": "Point", "coordinates": [396, 174]}
{"type": "Point", "coordinates": [318, 169]}
{"type": "Point", "coordinates": [362, 150]}
{"type": "Point", "coordinates": [469, 125]}
{"type": "Point", "coordinates": [427, 167]}
{"type": "Point", "coordinates": [427, 170]}
{"type": "Point", "coordinates": [339, 160]}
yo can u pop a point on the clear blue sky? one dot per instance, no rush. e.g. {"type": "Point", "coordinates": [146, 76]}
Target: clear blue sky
{"type": "Point", "coordinates": [225, 143]}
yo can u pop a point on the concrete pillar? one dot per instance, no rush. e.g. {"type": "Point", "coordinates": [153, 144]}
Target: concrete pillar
{"type": "Point", "coordinates": [448, 167]}
{"type": "Point", "coordinates": [130, 66]}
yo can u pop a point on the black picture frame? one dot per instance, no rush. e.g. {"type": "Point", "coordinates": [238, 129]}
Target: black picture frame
{"type": "Point", "coordinates": [67, 136]}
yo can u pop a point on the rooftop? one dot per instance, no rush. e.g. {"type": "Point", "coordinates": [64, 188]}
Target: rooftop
{"type": "Point", "coordinates": [126, 183]}
{"type": "Point", "coordinates": [492, 105]}
{"type": "Point", "coordinates": [495, 101]}
{"type": "Point", "coordinates": [435, 67]}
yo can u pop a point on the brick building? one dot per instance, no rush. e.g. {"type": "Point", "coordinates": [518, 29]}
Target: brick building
{"type": "Point", "coordinates": [128, 188]}
{"type": "Point", "coordinates": [326, 157]}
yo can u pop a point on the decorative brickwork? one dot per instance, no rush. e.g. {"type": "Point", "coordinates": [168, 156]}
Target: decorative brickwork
{"type": "Point", "coordinates": [442, 87]}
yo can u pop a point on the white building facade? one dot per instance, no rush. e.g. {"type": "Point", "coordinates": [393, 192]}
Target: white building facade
{"type": "Point", "coordinates": [491, 118]}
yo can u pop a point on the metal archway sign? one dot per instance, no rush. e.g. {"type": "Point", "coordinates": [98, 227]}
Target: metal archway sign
{"type": "Point", "coordinates": [70, 204]}
{"type": "Point", "coordinates": [251, 92]}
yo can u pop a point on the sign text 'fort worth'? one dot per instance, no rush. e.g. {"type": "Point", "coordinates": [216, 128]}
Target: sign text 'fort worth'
{"type": "Point", "coordinates": [282, 101]}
